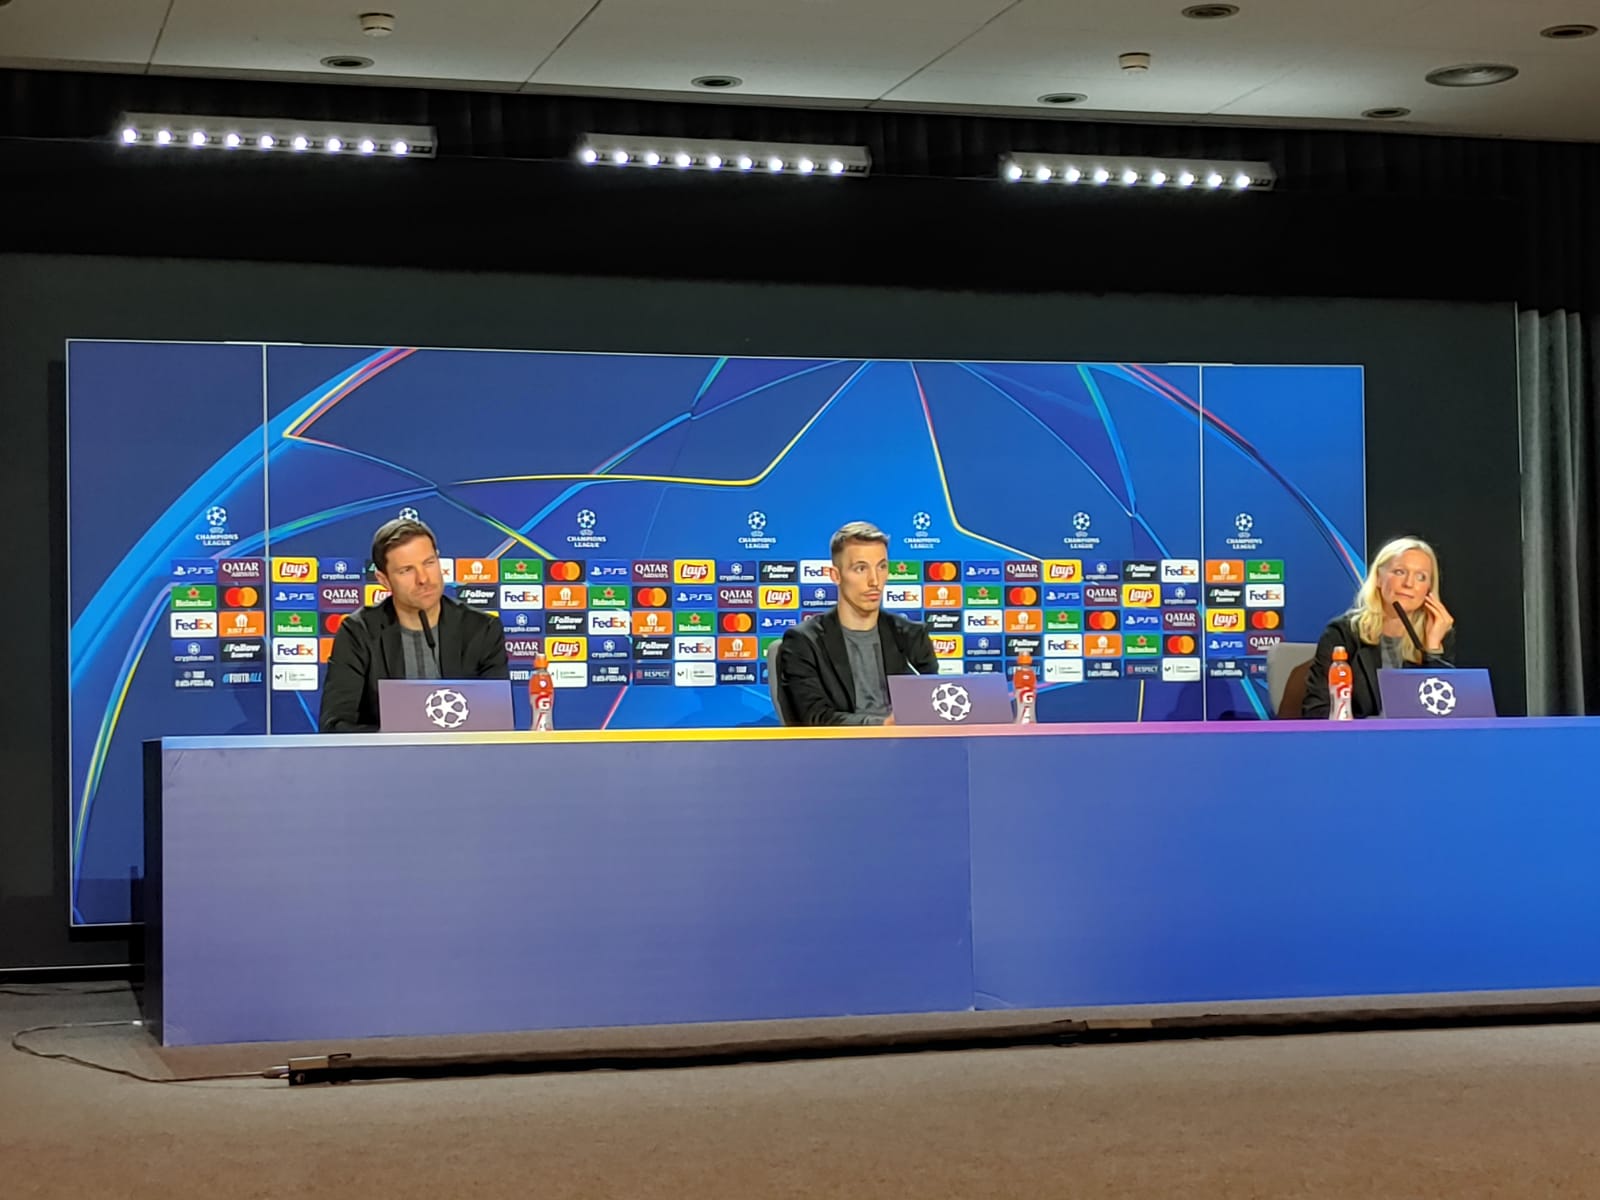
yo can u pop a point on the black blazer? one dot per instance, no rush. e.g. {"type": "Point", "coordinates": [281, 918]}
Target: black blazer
{"type": "Point", "coordinates": [367, 648]}
{"type": "Point", "coordinates": [814, 666]}
{"type": "Point", "coordinates": [1365, 661]}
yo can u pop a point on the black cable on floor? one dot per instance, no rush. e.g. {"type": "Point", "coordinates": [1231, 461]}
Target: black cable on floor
{"type": "Point", "coordinates": [17, 1044]}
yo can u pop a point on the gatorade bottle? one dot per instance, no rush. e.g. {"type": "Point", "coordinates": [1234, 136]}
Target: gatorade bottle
{"type": "Point", "coordinates": [1339, 681]}
{"type": "Point", "coordinates": [1025, 686]}
{"type": "Point", "coordinates": [542, 696]}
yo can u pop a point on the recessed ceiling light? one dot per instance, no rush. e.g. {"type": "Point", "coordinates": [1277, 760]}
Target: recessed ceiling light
{"type": "Point", "coordinates": [1062, 98]}
{"type": "Point", "coordinates": [716, 81]}
{"type": "Point", "coordinates": [1472, 75]}
{"type": "Point", "coordinates": [1566, 32]}
{"type": "Point", "coordinates": [1386, 114]}
{"type": "Point", "coordinates": [1210, 12]}
{"type": "Point", "coordinates": [347, 62]}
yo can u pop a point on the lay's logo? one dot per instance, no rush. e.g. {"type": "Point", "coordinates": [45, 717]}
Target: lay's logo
{"type": "Point", "coordinates": [946, 645]}
{"type": "Point", "coordinates": [566, 649]}
{"type": "Point", "coordinates": [1141, 595]}
{"type": "Point", "coordinates": [294, 570]}
{"type": "Point", "coordinates": [1063, 570]}
{"type": "Point", "coordinates": [693, 570]}
{"type": "Point", "coordinates": [1224, 620]}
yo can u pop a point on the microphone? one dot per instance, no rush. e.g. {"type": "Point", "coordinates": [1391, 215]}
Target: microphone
{"type": "Point", "coordinates": [912, 667]}
{"type": "Point", "coordinates": [427, 636]}
{"type": "Point", "coordinates": [1412, 630]}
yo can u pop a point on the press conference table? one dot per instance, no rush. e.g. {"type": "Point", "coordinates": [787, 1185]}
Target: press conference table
{"type": "Point", "coordinates": [353, 886]}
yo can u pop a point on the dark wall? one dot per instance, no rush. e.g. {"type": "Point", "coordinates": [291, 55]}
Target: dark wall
{"type": "Point", "coordinates": [1442, 434]}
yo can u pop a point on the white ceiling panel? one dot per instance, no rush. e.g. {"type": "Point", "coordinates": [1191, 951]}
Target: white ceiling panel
{"type": "Point", "coordinates": [104, 32]}
{"type": "Point", "coordinates": [473, 40]}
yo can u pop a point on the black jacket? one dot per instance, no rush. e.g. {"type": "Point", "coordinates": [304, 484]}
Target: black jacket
{"type": "Point", "coordinates": [1365, 661]}
{"type": "Point", "coordinates": [814, 666]}
{"type": "Point", "coordinates": [367, 648]}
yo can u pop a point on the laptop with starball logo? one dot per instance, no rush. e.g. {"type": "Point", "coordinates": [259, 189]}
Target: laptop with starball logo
{"type": "Point", "coordinates": [444, 705]}
{"type": "Point", "coordinates": [950, 701]}
{"type": "Point", "coordinates": [1421, 694]}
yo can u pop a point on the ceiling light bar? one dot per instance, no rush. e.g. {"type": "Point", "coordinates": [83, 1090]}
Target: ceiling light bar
{"type": "Point", "coordinates": [707, 154]}
{"type": "Point", "coordinates": [1117, 171]}
{"type": "Point", "coordinates": [257, 135]}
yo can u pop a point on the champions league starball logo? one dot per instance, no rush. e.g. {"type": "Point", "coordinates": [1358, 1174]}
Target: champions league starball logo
{"type": "Point", "coordinates": [586, 538]}
{"type": "Point", "coordinates": [757, 538]}
{"type": "Point", "coordinates": [951, 702]}
{"type": "Point", "coordinates": [921, 537]}
{"type": "Point", "coordinates": [216, 535]}
{"type": "Point", "coordinates": [409, 514]}
{"type": "Point", "coordinates": [1080, 538]}
{"type": "Point", "coordinates": [446, 708]}
{"type": "Point", "coordinates": [1437, 696]}
{"type": "Point", "coordinates": [1244, 541]}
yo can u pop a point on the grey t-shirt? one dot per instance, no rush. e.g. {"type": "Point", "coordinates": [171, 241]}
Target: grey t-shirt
{"type": "Point", "coordinates": [421, 662]}
{"type": "Point", "coordinates": [1391, 651]}
{"type": "Point", "coordinates": [872, 688]}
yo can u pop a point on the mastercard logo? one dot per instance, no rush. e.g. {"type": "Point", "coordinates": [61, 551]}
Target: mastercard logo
{"type": "Point", "coordinates": [1180, 644]}
{"type": "Point", "coordinates": [651, 597]}
{"type": "Point", "coordinates": [941, 572]}
{"type": "Point", "coordinates": [1102, 619]}
{"type": "Point", "coordinates": [1265, 620]}
{"type": "Point", "coordinates": [1022, 597]}
{"type": "Point", "coordinates": [332, 621]}
{"type": "Point", "coordinates": [241, 597]}
{"type": "Point", "coordinates": [566, 572]}
{"type": "Point", "coordinates": [737, 622]}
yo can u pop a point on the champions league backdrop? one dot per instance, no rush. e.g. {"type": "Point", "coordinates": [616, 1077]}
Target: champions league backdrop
{"type": "Point", "coordinates": [651, 523]}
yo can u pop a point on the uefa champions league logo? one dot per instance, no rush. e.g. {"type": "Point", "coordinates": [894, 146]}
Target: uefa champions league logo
{"type": "Point", "coordinates": [921, 538]}
{"type": "Point", "coordinates": [410, 514]}
{"type": "Point", "coordinates": [1436, 696]}
{"type": "Point", "coordinates": [446, 708]}
{"type": "Point", "coordinates": [951, 702]}
{"type": "Point", "coordinates": [1081, 538]}
{"type": "Point", "coordinates": [216, 533]}
{"type": "Point", "coordinates": [758, 538]}
{"type": "Point", "coordinates": [586, 538]}
{"type": "Point", "coordinates": [1245, 540]}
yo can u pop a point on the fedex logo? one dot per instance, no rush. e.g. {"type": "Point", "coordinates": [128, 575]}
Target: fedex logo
{"type": "Point", "coordinates": [1180, 570]}
{"type": "Point", "coordinates": [194, 624]}
{"type": "Point", "coordinates": [816, 570]}
{"type": "Point", "coordinates": [1063, 570]}
{"type": "Point", "coordinates": [694, 649]}
{"type": "Point", "coordinates": [603, 623]}
{"type": "Point", "coordinates": [1063, 645]}
{"type": "Point", "coordinates": [523, 595]}
{"type": "Point", "coordinates": [903, 596]}
{"type": "Point", "coordinates": [1264, 595]}
{"type": "Point", "coordinates": [294, 649]}
{"type": "Point", "coordinates": [294, 570]}
{"type": "Point", "coordinates": [693, 570]}
{"type": "Point", "coordinates": [1224, 620]}
{"type": "Point", "coordinates": [982, 622]}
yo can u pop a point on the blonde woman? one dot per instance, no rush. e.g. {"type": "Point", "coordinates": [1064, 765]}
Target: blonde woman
{"type": "Point", "coordinates": [1373, 635]}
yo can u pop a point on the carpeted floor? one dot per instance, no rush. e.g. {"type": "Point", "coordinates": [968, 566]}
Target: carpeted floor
{"type": "Point", "coordinates": [1460, 1113]}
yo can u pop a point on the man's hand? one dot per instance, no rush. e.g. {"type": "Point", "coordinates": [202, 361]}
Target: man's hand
{"type": "Point", "coordinates": [889, 720]}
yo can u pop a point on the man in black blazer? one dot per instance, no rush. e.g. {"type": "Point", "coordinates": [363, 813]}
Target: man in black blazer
{"type": "Point", "coordinates": [835, 667]}
{"type": "Point", "coordinates": [417, 633]}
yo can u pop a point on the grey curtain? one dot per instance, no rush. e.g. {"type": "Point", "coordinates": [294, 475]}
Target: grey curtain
{"type": "Point", "coordinates": [1560, 385]}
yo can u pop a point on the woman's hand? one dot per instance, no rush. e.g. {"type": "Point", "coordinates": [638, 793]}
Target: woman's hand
{"type": "Point", "coordinates": [1438, 623]}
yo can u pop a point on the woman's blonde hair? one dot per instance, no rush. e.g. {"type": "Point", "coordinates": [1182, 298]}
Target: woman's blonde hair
{"type": "Point", "coordinates": [1368, 614]}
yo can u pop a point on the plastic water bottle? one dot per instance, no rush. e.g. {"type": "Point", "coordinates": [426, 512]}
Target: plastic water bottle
{"type": "Point", "coordinates": [542, 696]}
{"type": "Point", "coordinates": [1340, 679]}
{"type": "Point", "coordinates": [1025, 687]}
